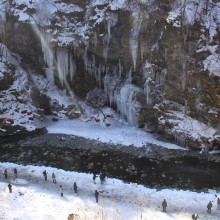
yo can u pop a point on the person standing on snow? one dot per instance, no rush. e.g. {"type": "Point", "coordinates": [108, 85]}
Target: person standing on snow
{"type": "Point", "coordinates": [209, 207]}
{"type": "Point", "coordinates": [6, 174]}
{"type": "Point", "coordinates": [45, 175]}
{"type": "Point", "coordinates": [94, 177]}
{"type": "Point", "coordinates": [54, 178]}
{"type": "Point", "coordinates": [164, 205]}
{"type": "Point", "coordinates": [61, 190]}
{"type": "Point", "coordinates": [15, 173]}
{"type": "Point", "coordinates": [10, 187]}
{"type": "Point", "coordinates": [218, 204]}
{"type": "Point", "coordinates": [75, 187]}
{"type": "Point", "coordinates": [96, 196]}
{"type": "Point", "coordinates": [195, 216]}
{"type": "Point", "coordinates": [102, 178]}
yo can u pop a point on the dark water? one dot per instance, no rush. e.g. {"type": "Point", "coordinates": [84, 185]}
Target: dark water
{"type": "Point", "coordinates": [181, 173]}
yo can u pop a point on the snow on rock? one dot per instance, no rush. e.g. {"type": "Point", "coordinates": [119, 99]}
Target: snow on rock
{"type": "Point", "coordinates": [185, 126]}
{"type": "Point", "coordinates": [2, 69]}
{"type": "Point", "coordinates": [208, 14]}
{"type": "Point", "coordinates": [212, 62]}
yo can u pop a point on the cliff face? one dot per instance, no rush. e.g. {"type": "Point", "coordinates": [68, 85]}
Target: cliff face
{"type": "Point", "coordinates": [157, 62]}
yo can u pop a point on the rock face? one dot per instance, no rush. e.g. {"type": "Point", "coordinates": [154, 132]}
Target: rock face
{"type": "Point", "coordinates": [154, 62]}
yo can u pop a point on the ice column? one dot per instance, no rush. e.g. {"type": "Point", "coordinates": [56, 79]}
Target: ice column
{"type": "Point", "coordinates": [147, 89]}
{"type": "Point", "coordinates": [2, 23]}
{"type": "Point", "coordinates": [127, 103]}
{"type": "Point", "coordinates": [4, 52]}
{"type": "Point", "coordinates": [149, 73]}
{"type": "Point", "coordinates": [48, 55]}
{"type": "Point", "coordinates": [111, 20]}
{"type": "Point", "coordinates": [134, 35]}
{"type": "Point", "coordinates": [65, 65]}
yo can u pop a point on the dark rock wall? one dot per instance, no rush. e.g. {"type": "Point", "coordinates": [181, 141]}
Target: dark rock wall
{"type": "Point", "coordinates": [134, 45]}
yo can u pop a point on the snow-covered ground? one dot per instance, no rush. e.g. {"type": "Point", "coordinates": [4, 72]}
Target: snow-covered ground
{"type": "Point", "coordinates": [117, 133]}
{"type": "Point", "coordinates": [34, 198]}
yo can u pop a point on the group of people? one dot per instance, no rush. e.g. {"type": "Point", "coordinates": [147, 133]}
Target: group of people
{"type": "Point", "coordinates": [6, 177]}
{"type": "Point", "coordinates": [102, 177]}
{"type": "Point", "coordinates": [6, 173]}
{"type": "Point", "coordinates": [54, 181]}
{"type": "Point", "coordinates": [195, 216]}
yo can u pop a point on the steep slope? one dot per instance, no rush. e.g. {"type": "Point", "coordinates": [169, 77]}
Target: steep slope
{"type": "Point", "coordinates": [156, 62]}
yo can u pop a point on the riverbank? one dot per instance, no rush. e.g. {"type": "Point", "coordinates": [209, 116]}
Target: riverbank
{"type": "Point", "coordinates": [151, 165]}
{"type": "Point", "coordinates": [34, 198]}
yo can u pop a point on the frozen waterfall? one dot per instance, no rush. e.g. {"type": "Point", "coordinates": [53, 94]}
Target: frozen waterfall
{"type": "Point", "coordinates": [65, 64]}
{"type": "Point", "coordinates": [125, 97]}
{"type": "Point", "coordinates": [127, 103]}
{"type": "Point", "coordinates": [58, 58]}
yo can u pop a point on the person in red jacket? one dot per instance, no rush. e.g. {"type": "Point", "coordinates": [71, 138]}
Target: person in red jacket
{"type": "Point", "coordinates": [10, 187]}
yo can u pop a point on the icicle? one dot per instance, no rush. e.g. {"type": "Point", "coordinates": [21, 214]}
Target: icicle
{"type": "Point", "coordinates": [4, 52]}
{"type": "Point", "coordinates": [65, 64]}
{"type": "Point", "coordinates": [134, 47]}
{"type": "Point", "coordinates": [142, 49]}
{"type": "Point", "coordinates": [111, 84]}
{"type": "Point", "coordinates": [62, 64]}
{"type": "Point", "coordinates": [163, 76]}
{"type": "Point", "coordinates": [8, 55]}
{"type": "Point", "coordinates": [120, 68]}
{"type": "Point", "coordinates": [184, 74]}
{"type": "Point", "coordinates": [105, 53]}
{"type": "Point", "coordinates": [111, 20]}
{"type": "Point", "coordinates": [59, 58]}
{"type": "Point", "coordinates": [147, 90]}
{"type": "Point", "coordinates": [72, 68]}
{"type": "Point", "coordinates": [129, 76]}
{"type": "Point", "coordinates": [134, 35]}
{"type": "Point", "coordinates": [2, 23]}
{"type": "Point", "coordinates": [45, 39]}
{"type": "Point", "coordinates": [180, 139]}
{"type": "Point", "coordinates": [99, 74]}
{"type": "Point", "coordinates": [165, 54]}
{"type": "Point", "coordinates": [85, 59]}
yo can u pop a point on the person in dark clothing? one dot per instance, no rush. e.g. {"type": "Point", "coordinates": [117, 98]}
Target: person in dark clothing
{"type": "Point", "coordinates": [195, 216]}
{"type": "Point", "coordinates": [209, 207]}
{"type": "Point", "coordinates": [10, 187]}
{"type": "Point", "coordinates": [54, 178]}
{"type": "Point", "coordinates": [61, 190]}
{"type": "Point", "coordinates": [45, 175]}
{"type": "Point", "coordinates": [164, 205]}
{"type": "Point", "coordinates": [102, 178]}
{"type": "Point", "coordinates": [96, 196]}
{"type": "Point", "coordinates": [94, 177]}
{"type": "Point", "coordinates": [15, 172]}
{"type": "Point", "coordinates": [218, 204]}
{"type": "Point", "coordinates": [6, 174]}
{"type": "Point", "coordinates": [75, 187]}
